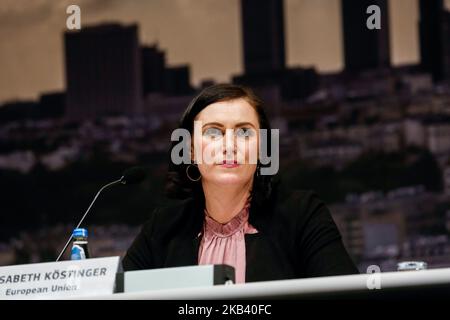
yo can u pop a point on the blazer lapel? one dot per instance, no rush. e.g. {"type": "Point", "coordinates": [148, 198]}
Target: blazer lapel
{"type": "Point", "coordinates": [265, 260]}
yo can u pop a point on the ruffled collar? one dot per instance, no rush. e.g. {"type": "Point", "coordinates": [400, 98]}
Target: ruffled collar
{"type": "Point", "coordinates": [227, 229]}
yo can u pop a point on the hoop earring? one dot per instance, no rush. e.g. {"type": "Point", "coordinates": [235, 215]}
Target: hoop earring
{"type": "Point", "coordinates": [189, 177]}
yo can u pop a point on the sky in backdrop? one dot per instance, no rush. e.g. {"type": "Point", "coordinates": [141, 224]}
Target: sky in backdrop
{"type": "Point", "coordinates": [203, 33]}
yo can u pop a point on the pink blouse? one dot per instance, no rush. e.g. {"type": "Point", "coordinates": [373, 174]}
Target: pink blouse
{"type": "Point", "coordinates": [225, 243]}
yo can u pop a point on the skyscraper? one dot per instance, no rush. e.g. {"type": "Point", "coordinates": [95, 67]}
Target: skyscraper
{"type": "Point", "coordinates": [264, 53]}
{"type": "Point", "coordinates": [364, 48]}
{"type": "Point", "coordinates": [434, 26]}
{"type": "Point", "coordinates": [177, 81]}
{"type": "Point", "coordinates": [153, 68]}
{"type": "Point", "coordinates": [103, 71]}
{"type": "Point", "coordinates": [263, 36]}
{"type": "Point", "coordinates": [158, 78]}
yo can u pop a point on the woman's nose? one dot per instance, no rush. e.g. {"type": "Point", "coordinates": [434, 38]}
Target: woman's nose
{"type": "Point", "coordinates": [230, 142]}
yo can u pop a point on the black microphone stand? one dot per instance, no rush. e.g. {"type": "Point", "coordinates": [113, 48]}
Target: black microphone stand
{"type": "Point", "coordinates": [121, 180]}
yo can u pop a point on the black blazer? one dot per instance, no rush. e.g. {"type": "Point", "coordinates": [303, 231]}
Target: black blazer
{"type": "Point", "coordinates": [296, 238]}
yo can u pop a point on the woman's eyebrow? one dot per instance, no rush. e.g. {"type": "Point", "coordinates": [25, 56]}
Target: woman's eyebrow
{"type": "Point", "coordinates": [213, 123]}
{"type": "Point", "coordinates": [245, 124]}
{"type": "Point", "coordinates": [221, 125]}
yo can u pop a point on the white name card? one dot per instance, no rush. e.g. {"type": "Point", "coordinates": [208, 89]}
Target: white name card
{"type": "Point", "coordinates": [59, 280]}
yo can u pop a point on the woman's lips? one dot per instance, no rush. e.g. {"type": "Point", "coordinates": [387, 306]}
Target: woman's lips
{"type": "Point", "coordinates": [230, 164]}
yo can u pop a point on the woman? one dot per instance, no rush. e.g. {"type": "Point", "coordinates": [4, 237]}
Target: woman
{"type": "Point", "coordinates": [231, 212]}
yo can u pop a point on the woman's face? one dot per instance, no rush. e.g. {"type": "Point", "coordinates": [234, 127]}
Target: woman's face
{"type": "Point", "coordinates": [226, 136]}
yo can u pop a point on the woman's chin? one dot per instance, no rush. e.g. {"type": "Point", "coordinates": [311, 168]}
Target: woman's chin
{"type": "Point", "coordinates": [228, 179]}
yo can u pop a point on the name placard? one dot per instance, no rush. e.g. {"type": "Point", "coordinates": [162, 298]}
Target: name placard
{"type": "Point", "coordinates": [56, 280]}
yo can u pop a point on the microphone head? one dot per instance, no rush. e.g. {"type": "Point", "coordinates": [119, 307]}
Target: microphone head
{"type": "Point", "coordinates": [133, 175]}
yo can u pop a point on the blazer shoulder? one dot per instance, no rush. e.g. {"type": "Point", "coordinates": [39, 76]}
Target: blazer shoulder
{"type": "Point", "coordinates": [176, 215]}
{"type": "Point", "coordinates": [305, 209]}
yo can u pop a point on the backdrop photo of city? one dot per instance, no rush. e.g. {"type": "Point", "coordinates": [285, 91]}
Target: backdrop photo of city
{"type": "Point", "coordinates": [372, 139]}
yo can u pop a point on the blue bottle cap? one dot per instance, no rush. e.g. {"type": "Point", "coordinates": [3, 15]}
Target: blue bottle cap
{"type": "Point", "coordinates": [80, 232]}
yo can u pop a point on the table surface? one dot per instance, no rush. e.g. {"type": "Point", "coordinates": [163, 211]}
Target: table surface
{"type": "Point", "coordinates": [298, 288]}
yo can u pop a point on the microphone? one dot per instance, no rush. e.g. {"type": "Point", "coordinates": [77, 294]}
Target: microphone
{"type": "Point", "coordinates": [132, 175]}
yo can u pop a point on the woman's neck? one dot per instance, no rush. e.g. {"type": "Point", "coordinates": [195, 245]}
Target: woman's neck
{"type": "Point", "coordinates": [224, 203]}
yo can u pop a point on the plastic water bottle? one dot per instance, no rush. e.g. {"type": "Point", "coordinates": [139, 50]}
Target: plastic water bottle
{"type": "Point", "coordinates": [80, 244]}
